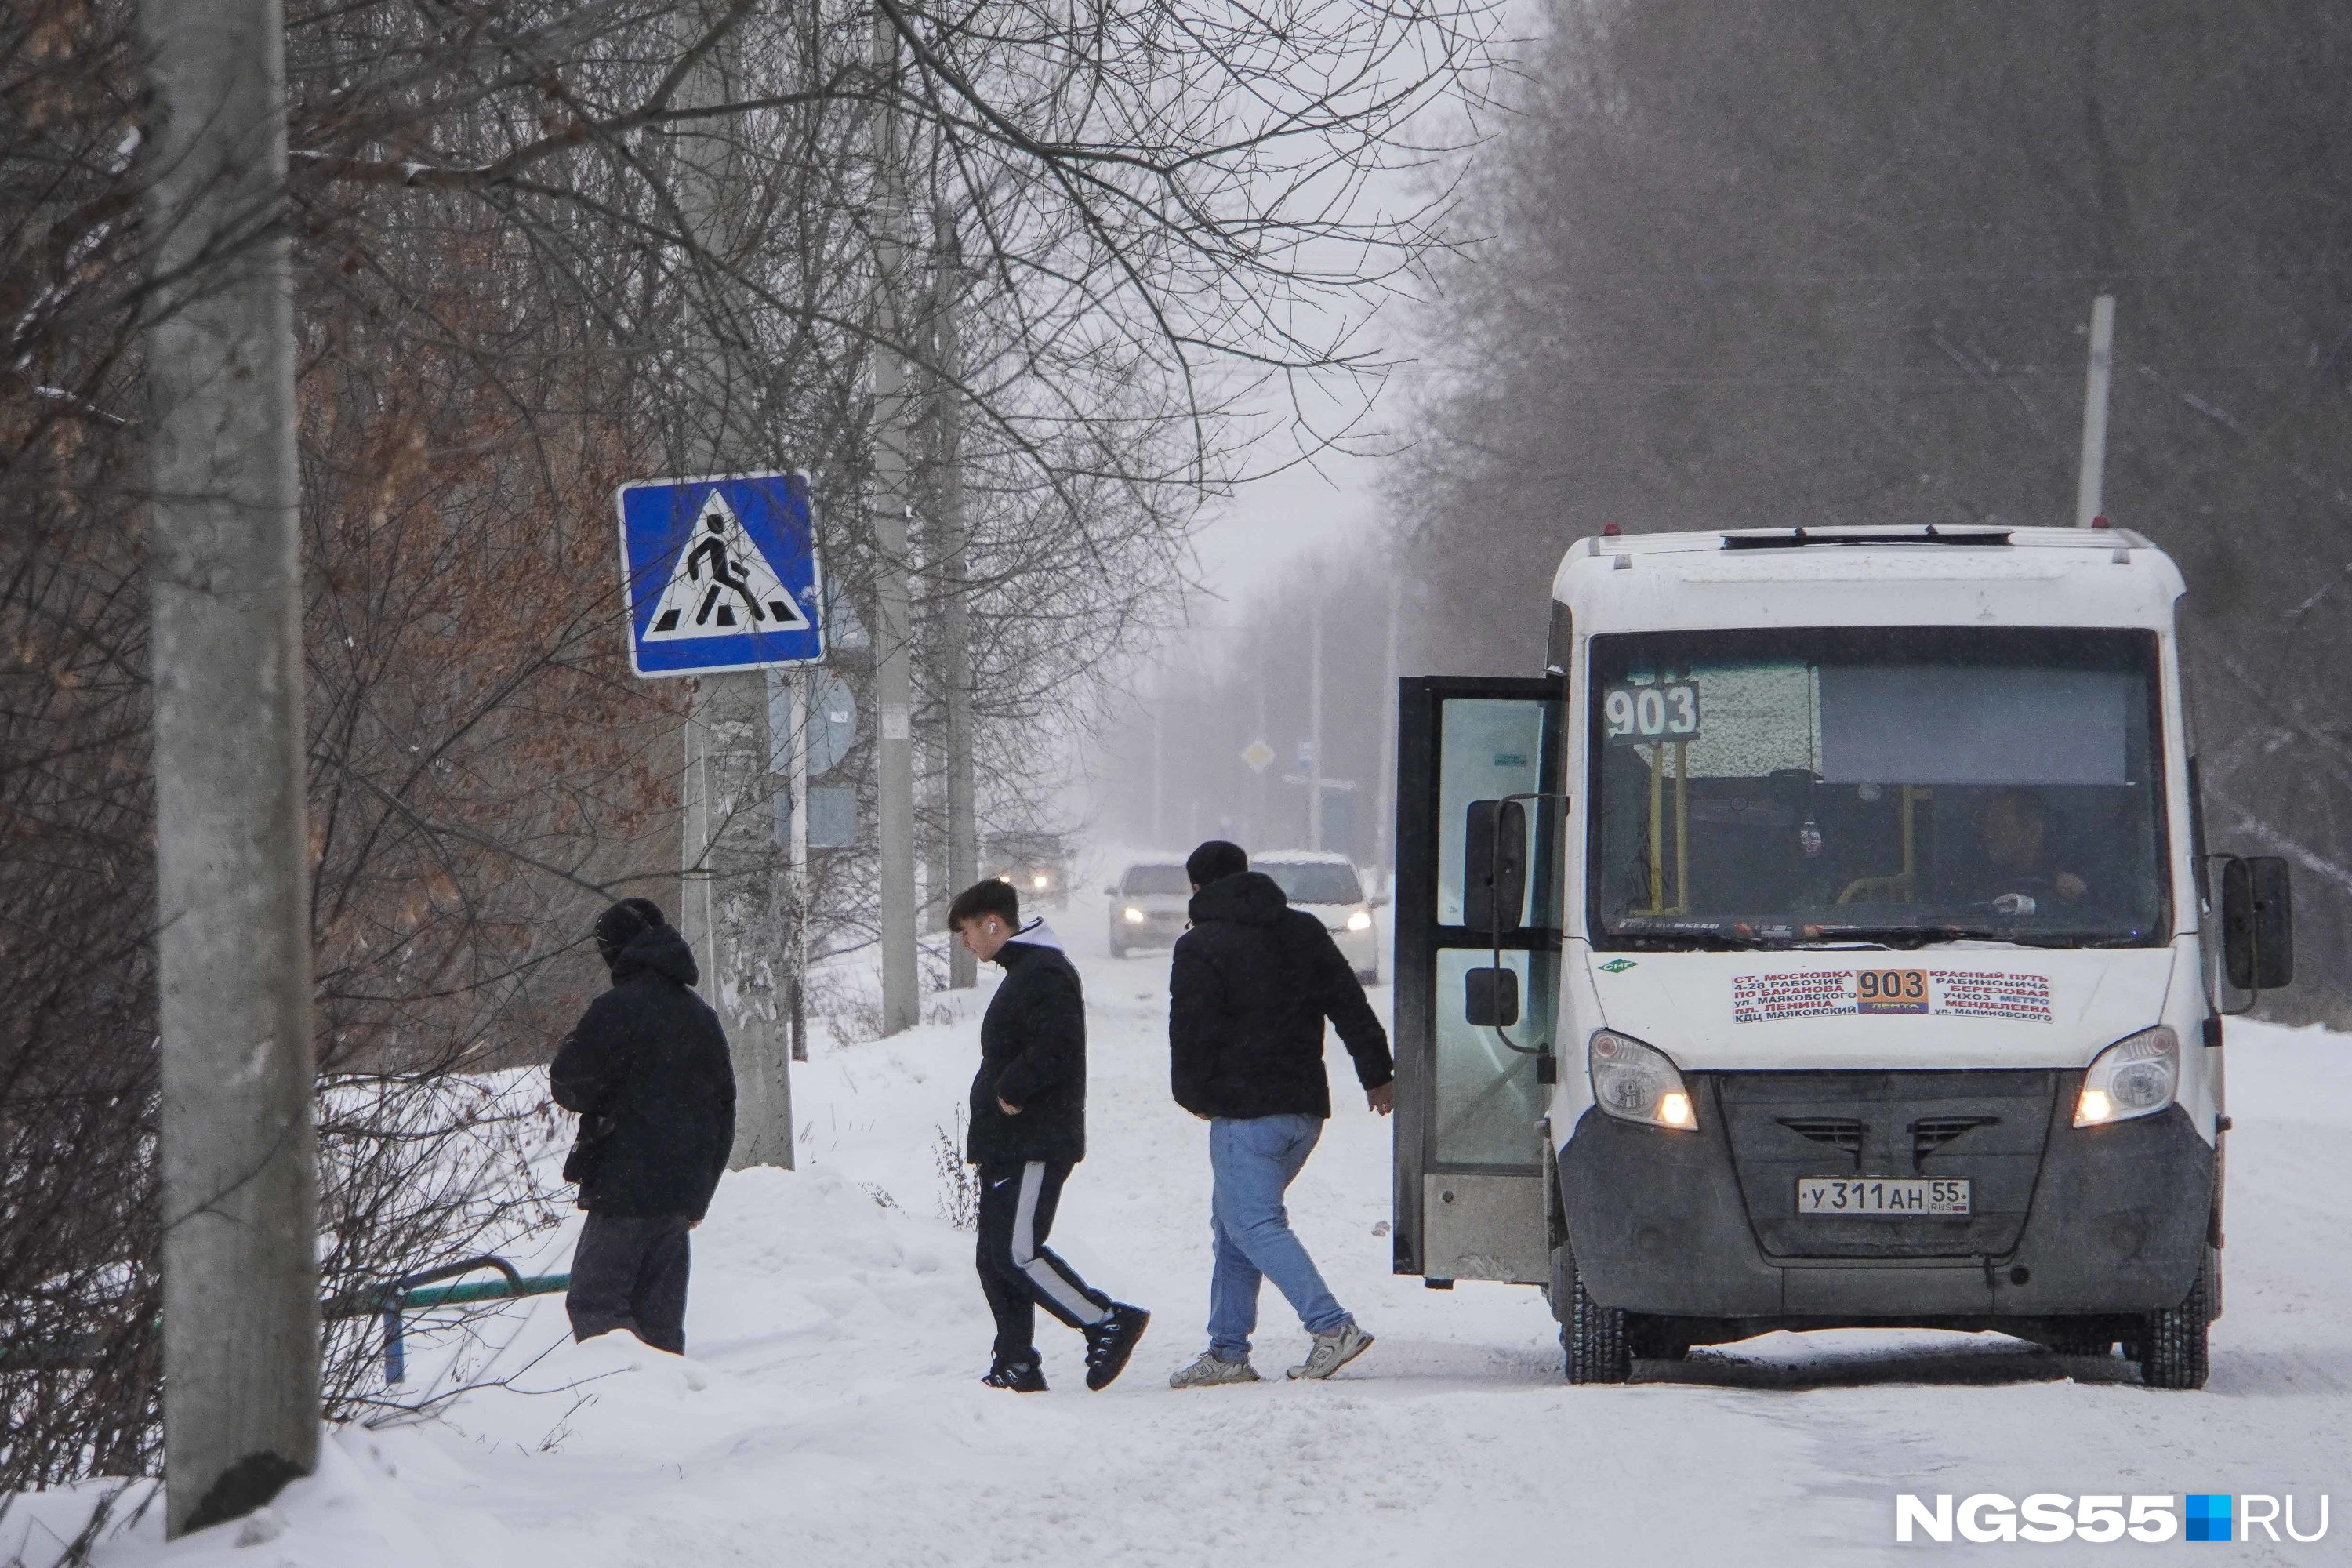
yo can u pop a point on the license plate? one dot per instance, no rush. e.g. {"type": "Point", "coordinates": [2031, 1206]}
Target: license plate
{"type": "Point", "coordinates": [1895, 1195]}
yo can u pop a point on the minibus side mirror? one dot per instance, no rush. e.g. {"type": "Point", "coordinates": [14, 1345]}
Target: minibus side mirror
{"type": "Point", "coordinates": [1495, 865]}
{"type": "Point", "coordinates": [2257, 922]}
{"type": "Point", "coordinates": [1490, 998]}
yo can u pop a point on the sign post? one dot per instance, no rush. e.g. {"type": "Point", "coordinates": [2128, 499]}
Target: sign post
{"type": "Point", "coordinates": [722, 580]}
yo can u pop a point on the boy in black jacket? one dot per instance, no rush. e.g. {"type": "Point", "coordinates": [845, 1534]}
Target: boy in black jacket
{"type": "Point", "coordinates": [1028, 1128]}
{"type": "Point", "coordinates": [647, 1069]}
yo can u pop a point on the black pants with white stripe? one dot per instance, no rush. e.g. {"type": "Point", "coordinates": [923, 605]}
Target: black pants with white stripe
{"type": "Point", "coordinates": [1017, 1269]}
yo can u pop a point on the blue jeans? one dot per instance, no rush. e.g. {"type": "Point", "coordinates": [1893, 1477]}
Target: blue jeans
{"type": "Point", "coordinates": [1254, 1161]}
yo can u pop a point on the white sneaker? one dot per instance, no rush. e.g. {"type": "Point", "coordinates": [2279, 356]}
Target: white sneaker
{"type": "Point", "coordinates": [1333, 1351]}
{"type": "Point", "coordinates": [1208, 1372]}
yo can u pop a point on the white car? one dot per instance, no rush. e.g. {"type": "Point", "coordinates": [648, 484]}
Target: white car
{"type": "Point", "coordinates": [1325, 884]}
{"type": "Point", "coordinates": [1149, 905]}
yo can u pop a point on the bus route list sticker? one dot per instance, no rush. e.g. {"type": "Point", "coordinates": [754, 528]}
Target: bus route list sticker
{"type": "Point", "coordinates": [1874, 992]}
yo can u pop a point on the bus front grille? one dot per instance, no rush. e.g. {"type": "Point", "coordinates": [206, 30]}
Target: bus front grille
{"type": "Point", "coordinates": [1987, 1127]}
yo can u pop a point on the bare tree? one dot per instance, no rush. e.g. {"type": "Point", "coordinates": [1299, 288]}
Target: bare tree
{"type": "Point", "coordinates": [1743, 265]}
{"type": "Point", "coordinates": [1154, 211]}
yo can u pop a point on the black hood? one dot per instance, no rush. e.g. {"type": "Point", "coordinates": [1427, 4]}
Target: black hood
{"type": "Point", "coordinates": [1251, 898]}
{"type": "Point", "coordinates": [660, 951]}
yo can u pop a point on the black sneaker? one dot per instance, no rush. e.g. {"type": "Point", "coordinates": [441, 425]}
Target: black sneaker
{"type": "Point", "coordinates": [1020, 1377]}
{"type": "Point", "coordinates": [1110, 1342]}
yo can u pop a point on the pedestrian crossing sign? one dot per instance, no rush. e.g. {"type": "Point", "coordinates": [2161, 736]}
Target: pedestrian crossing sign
{"type": "Point", "coordinates": [721, 574]}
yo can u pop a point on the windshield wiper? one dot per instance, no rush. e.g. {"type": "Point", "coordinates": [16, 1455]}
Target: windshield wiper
{"type": "Point", "coordinates": [1703, 941]}
{"type": "Point", "coordinates": [1912, 938]}
{"type": "Point", "coordinates": [1903, 937]}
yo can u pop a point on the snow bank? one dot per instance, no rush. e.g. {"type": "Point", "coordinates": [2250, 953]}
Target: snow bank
{"type": "Point", "coordinates": [828, 1412]}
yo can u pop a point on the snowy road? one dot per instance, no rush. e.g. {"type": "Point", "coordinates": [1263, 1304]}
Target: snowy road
{"type": "Point", "coordinates": [830, 1416]}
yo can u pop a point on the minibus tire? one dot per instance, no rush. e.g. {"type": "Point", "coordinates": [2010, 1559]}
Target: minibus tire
{"type": "Point", "coordinates": [2172, 1343]}
{"type": "Point", "coordinates": [1591, 1337]}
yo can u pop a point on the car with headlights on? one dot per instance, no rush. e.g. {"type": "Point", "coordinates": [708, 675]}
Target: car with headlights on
{"type": "Point", "coordinates": [1148, 905]}
{"type": "Point", "coordinates": [1035, 864]}
{"type": "Point", "coordinates": [1326, 886]}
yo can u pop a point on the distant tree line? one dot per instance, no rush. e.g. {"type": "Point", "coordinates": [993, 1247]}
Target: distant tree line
{"type": "Point", "coordinates": [1730, 264]}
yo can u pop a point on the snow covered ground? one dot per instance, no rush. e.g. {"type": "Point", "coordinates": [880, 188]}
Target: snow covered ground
{"type": "Point", "coordinates": [829, 1412]}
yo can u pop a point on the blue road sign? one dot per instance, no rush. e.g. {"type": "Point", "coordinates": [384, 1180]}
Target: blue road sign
{"type": "Point", "coordinates": [721, 574]}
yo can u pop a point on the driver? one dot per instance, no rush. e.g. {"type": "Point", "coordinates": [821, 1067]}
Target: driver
{"type": "Point", "coordinates": [2013, 827]}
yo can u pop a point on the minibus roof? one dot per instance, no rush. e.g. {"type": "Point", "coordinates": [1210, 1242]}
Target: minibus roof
{"type": "Point", "coordinates": [1928, 574]}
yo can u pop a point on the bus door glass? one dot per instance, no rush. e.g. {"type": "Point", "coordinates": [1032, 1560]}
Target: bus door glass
{"type": "Point", "coordinates": [1479, 767]}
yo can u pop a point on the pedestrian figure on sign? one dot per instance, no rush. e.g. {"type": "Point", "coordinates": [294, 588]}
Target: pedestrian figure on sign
{"type": "Point", "coordinates": [1248, 990]}
{"type": "Point", "coordinates": [1028, 1128]}
{"type": "Point", "coordinates": [712, 548]}
{"type": "Point", "coordinates": [647, 1069]}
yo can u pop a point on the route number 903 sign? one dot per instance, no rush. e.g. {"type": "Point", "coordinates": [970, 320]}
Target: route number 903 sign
{"type": "Point", "coordinates": [1665, 712]}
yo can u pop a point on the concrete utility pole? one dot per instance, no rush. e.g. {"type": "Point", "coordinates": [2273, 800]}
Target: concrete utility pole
{"type": "Point", "coordinates": [1159, 764]}
{"type": "Point", "coordinates": [894, 676]}
{"type": "Point", "coordinates": [2090, 491]}
{"type": "Point", "coordinates": [1314, 724]}
{"type": "Point", "coordinates": [232, 851]}
{"type": "Point", "coordinates": [1384, 823]}
{"type": "Point", "coordinates": [1258, 826]}
{"type": "Point", "coordinates": [728, 884]}
{"type": "Point", "coordinates": [955, 626]}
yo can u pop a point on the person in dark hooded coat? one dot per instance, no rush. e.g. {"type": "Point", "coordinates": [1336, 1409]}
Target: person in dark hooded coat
{"type": "Point", "coordinates": [647, 1069]}
{"type": "Point", "coordinates": [1249, 990]}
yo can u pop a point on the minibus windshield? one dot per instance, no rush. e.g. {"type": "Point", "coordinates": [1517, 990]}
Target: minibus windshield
{"type": "Point", "coordinates": [1895, 786]}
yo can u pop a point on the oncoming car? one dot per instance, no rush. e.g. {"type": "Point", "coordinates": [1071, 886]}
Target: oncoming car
{"type": "Point", "coordinates": [1325, 884]}
{"type": "Point", "coordinates": [1148, 905]}
{"type": "Point", "coordinates": [1034, 864]}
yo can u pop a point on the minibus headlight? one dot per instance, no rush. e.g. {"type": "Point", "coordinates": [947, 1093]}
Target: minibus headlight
{"type": "Point", "coordinates": [1361, 920]}
{"type": "Point", "coordinates": [1635, 1082]}
{"type": "Point", "coordinates": [2137, 1075]}
{"type": "Point", "coordinates": [1132, 915]}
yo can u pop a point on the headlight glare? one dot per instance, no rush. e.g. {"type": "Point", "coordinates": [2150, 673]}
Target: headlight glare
{"type": "Point", "coordinates": [1635, 1082]}
{"type": "Point", "coordinates": [1131, 915]}
{"type": "Point", "coordinates": [1361, 920]}
{"type": "Point", "coordinates": [2137, 1075]}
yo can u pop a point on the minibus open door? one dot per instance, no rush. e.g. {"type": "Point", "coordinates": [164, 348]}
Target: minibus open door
{"type": "Point", "coordinates": [1478, 921]}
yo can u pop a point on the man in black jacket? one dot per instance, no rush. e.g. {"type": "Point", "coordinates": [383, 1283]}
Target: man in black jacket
{"type": "Point", "coordinates": [647, 1069]}
{"type": "Point", "coordinates": [1028, 1128]}
{"type": "Point", "coordinates": [1248, 990]}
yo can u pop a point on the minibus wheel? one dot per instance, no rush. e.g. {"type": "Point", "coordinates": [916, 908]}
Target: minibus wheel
{"type": "Point", "coordinates": [1591, 1336]}
{"type": "Point", "coordinates": [2171, 1344]}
